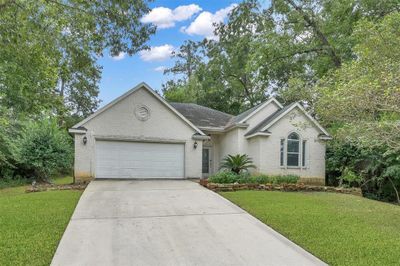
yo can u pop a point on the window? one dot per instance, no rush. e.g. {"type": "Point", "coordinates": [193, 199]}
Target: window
{"type": "Point", "coordinates": [303, 154]}
{"type": "Point", "coordinates": [293, 150]}
{"type": "Point", "coordinates": [282, 152]}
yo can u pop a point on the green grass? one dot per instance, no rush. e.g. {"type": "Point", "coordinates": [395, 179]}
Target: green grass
{"type": "Point", "coordinates": [31, 224]}
{"type": "Point", "coordinates": [65, 180]}
{"type": "Point", "coordinates": [340, 229]}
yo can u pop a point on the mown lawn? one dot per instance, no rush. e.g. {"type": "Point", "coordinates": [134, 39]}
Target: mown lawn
{"type": "Point", "coordinates": [339, 229]}
{"type": "Point", "coordinates": [31, 224]}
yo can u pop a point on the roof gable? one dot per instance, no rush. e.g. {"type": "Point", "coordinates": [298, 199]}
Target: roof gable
{"type": "Point", "coordinates": [241, 118]}
{"type": "Point", "coordinates": [267, 123]}
{"type": "Point", "coordinates": [128, 93]}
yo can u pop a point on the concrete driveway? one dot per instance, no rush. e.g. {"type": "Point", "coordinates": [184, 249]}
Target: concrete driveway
{"type": "Point", "coordinates": [169, 223]}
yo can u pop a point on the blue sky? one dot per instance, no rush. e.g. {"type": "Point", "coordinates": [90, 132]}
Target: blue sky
{"type": "Point", "coordinates": [177, 21]}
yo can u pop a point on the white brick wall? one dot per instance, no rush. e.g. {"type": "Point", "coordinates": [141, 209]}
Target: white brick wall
{"type": "Point", "coordinates": [119, 122]}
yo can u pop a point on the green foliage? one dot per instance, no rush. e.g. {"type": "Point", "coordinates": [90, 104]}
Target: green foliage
{"type": "Point", "coordinates": [44, 149]}
{"type": "Point", "coordinates": [237, 163]}
{"type": "Point", "coordinates": [364, 94]}
{"type": "Point", "coordinates": [362, 101]}
{"type": "Point", "coordinates": [227, 177]}
{"type": "Point", "coordinates": [48, 65]}
{"type": "Point", "coordinates": [13, 182]}
{"type": "Point", "coordinates": [350, 177]}
{"type": "Point", "coordinates": [49, 49]}
{"type": "Point", "coordinates": [283, 48]}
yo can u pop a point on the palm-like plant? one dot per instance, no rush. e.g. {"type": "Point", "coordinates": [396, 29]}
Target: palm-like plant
{"type": "Point", "coordinates": [237, 163]}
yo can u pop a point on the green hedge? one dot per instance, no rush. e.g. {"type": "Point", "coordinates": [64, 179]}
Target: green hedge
{"type": "Point", "coordinates": [226, 177]}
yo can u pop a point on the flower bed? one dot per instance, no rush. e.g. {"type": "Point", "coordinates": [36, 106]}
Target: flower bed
{"type": "Point", "coordinates": [280, 187]}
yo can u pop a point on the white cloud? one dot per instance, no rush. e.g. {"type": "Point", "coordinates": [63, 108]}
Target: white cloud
{"type": "Point", "coordinates": [118, 57]}
{"type": "Point", "coordinates": [160, 68]}
{"type": "Point", "coordinates": [164, 17]}
{"type": "Point", "coordinates": [157, 53]}
{"type": "Point", "coordinates": [203, 24]}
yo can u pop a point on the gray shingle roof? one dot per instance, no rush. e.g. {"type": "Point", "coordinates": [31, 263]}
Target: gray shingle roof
{"type": "Point", "coordinates": [240, 116]}
{"type": "Point", "coordinates": [202, 116]}
{"type": "Point", "coordinates": [267, 120]}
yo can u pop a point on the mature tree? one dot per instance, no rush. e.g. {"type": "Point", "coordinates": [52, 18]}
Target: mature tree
{"type": "Point", "coordinates": [310, 39]}
{"type": "Point", "coordinates": [182, 88]}
{"type": "Point", "coordinates": [362, 100]}
{"type": "Point", "coordinates": [188, 59]}
{"type": "Point", "coordinates": [366, 92]}
{"type": "Point", "coordinates": [225, 80]}
{"type": "Point", "coordinates": [48, 50]}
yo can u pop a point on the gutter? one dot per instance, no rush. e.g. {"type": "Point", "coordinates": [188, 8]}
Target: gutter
{"type": "Point", "coordinates": [224, 129]}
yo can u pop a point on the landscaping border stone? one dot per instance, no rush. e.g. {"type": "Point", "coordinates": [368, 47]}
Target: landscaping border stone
{"type": "Point", "coordinates": [300, 187]}
{"type": "Point", "coordinates": [51, 187]}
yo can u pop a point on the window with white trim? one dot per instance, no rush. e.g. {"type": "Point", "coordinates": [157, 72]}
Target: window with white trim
{"type": "Point", "coordinates": [293, 150]}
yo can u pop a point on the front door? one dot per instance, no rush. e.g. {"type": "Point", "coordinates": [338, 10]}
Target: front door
{"type": "Point", "coordinates": [206, 169]}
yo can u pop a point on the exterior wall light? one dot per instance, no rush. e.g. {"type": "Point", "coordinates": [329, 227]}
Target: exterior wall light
{"type": "Point", "coordinates": [84, 140]}
{"type": "Point", "coordinates": [195, 145]}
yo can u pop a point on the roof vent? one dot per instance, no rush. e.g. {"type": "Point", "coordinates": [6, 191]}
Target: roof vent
{"type": "Point", "coordinates": [142, 112]}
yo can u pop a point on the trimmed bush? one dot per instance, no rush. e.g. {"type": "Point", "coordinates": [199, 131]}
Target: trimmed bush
{"type": "Point", "coordinates": [224, 177]}
{"type": "Point", "coordinates": [227, 177]}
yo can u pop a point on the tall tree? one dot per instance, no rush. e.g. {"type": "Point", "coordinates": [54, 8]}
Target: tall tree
{"type": "Point", "coordinates": [48, 50]}
{"type": "Point", "coordinates": [188, 59]}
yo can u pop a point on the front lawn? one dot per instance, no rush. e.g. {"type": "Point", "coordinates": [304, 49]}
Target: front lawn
{"type": "Point", "coordinates": [340, 229]}
{"type": "Point", "coordinates": [31, 224]}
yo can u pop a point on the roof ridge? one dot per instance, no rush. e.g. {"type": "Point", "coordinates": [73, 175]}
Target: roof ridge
{"type": "Point", "coordinates": [202, 106]}
{"type": "Point", "coordinates": [260, 125]}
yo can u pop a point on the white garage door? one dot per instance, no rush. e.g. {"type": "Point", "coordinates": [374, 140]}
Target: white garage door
{"type": "Point", "coordinates": [120, 159]}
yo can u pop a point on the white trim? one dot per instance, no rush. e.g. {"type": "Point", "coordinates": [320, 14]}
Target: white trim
{"type": "Point", "coordinates": [272, 99]}
{"type": "Point", "coordinates": [224, 129]}
{"type": "Point", "coordinates": [258, 134]}
{"type": "Point", "coordinates": [76, 131]}
{"type": "Point", "coordinates": [200, 137]}
{"type": "Point", "coordinates": [126, 94]}
{"type": "Point", "coordinates": [301, 109]}
{"type": "Point", "coordinates": [214, 129]}
{"type": "Point", "coordinates": [325, 137]}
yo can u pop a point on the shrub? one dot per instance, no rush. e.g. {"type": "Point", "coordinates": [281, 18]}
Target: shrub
{"type": "Point", "coordinates": [258, 179]}
{"type": "Point", "coordinates": [44, 149]}
{"type": "Point", "coordinates": [227, 177]}
{"type": "Point", "coordinates": [285, 179]}
{"type": "Point", "coordinates": [224, 177]}
{"type": "Point", "coordinates": [13, 182]}
{"type": "Point", "coordinates": [237, 163]}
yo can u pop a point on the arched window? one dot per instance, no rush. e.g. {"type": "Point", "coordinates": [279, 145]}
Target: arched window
{"type": "Point", "coordinates": [293, 150]}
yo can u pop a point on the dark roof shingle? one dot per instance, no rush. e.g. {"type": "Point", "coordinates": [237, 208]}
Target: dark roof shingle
{"type": "Point", "coordinates": [202, 116]}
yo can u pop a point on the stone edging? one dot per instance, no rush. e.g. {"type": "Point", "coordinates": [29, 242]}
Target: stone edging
{"type": "Point", "coordinates": [51, 187]}
{"type": "Point", "coordinates": [280, 187]}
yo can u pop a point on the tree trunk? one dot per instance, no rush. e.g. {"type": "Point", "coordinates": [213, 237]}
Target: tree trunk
{"type": "Point", "coordinates": [395, 190]}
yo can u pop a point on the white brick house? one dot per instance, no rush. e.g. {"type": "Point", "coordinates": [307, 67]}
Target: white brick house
{"type": "Point", "coordinates": [140, 135]}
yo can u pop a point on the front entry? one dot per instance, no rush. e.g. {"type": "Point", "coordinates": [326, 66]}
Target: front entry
{"type": "Point", "coordinates": [206, 162]}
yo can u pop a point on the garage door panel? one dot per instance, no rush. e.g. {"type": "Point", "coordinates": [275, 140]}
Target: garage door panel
{"type": "Point", "coordinates": [139, 160]}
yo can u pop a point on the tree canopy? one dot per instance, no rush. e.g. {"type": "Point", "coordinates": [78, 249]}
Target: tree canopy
{"type": "Point", "coordinates": [49, 49]}
{"type": "Point", "coordinates": [339, 58]}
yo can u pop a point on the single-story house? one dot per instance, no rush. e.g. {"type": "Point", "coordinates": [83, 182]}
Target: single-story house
{"type": "Point", "coordinates": [141, 135]}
